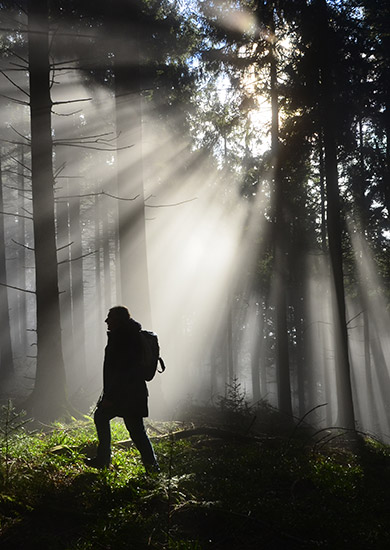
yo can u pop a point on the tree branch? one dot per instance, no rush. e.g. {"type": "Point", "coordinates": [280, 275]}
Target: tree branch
{"type": "Point", "coordinates": [19, 67]}
{"type": "Point", "coordinates": [355, 317]}
{"type": "Point", "coordinates": [169, 205]}
{"type": "Point", "coordinates": [82, 196]}
{"type": "Point", "coordinates": [17, 288]}
{"type": "Point", "coordinates": [119, 198]}
{"type": "Point", "coordinates": [21, 163]}
{"type": "Point", "coordinates": [22, 245]}
{"type": "Point", "coordinates": [95, 138]}
{"type": "Point", "coordinates": [65, 246]}
{"type": "Point", "coordinates": [81, 146]}
{"type": "Point", "coordinates": [78, 258]}
{"type": "Point", "coordinates": [16, 215]}
{"type": "Point", "coordinates": [19, 101]}
{"type": "Point", "coordinates": [71, 101]}
{"type": "Point", "coordinates": [20, 135]}
{"type": "Point", "coordinates": [14, 83]}
{"type": "Point", "coordinates": [67, 114]}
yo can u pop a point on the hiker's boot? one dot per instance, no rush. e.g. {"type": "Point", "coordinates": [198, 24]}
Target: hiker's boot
{"type": "Point", "coordinates": [97, 462]}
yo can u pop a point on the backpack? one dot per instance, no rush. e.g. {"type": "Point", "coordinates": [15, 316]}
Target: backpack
{"type": "Point", "coordinates": [151, 354]}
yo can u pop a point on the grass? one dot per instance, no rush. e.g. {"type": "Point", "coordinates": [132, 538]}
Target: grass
{"type": "Point", "coordinates": [274, 490]}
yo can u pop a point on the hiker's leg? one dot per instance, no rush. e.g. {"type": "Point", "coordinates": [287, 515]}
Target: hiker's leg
{"type": "Point", "coordinates": [102, 418]}
{"type": "Point", "coordinates": [138, 434]}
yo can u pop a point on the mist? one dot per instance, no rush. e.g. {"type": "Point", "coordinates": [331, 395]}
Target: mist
{"type": "Point", "coordinates": [167, 200]}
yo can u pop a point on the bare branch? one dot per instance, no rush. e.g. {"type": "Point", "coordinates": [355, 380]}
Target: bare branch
{"type": "Point", "coordinates": [60, 169]}
{"type": "Point", "coordinates": [84, 195]}
{"type": "Point", "coordinates": [81, 146]}
{"type": "Point", "coordinates": [94, 138]}
{"type": "Point", "coordinates": [169, 205]}
{"type": "Point", "coordinates": [71, 101]}
{"type": "Point", "coordinates": [68, 114]}
{"type": "Point", "coordinates": [84, 142]}
{"type": "Point", "coordinates": [20, 67]}
{"type": "Point", "coordinates": [19, 134]}
{"type": "Point", "coordinates": [355, 317]}
{"type": "Point", "coordinates": [14, 83]}
{"type": "Point", "coordinates": [119, 198]}
{"type": "Point", "coordinates": [65, 246]}
{"type": "Point", "coordinates": [23, 245]}
{"type": "Point", "coordinates": [17, 288]}
{"type": "Point", "coordinates": [78, 258]}
{"type": "Point", "coordinates": [75, 60]}
{"type": "Point", "coordinates": [21, 163]}
{"type": "Point", "coordinates": [16, 215]}
{"type": "Point", "coordinates": [19, 101]}
{"type": "Point", "coordinates": [12, 142]}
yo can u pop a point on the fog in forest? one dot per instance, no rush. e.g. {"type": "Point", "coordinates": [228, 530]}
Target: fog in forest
{"type": "Point", "coordinates": [196, 243]}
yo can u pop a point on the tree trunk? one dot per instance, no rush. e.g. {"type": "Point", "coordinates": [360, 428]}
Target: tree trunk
{"type": "Point", "coordinates": [99, 336]}
{"type": "Point", "coordinates": [65, 286]}
{"type": "Point", "coordinates": [229, 343]}
{"type": "Point", "coordinates": [256, 358]}
{"type": "Point", "coordinates": [106, 255]}
{"type": "Point", "coordinates": [21, 259]}
{"type": "Point", "coordinates": [76, 269]}
{"type": "Point", "coordinates": [280, 253]}
{"type": "Point", "coordinates": [6, 356]}
{"type": "Point", "coordinates": [322, 192]}
{"type": "Point", "coordinates": [343, 371]}
{"type": "Point", "coordinates": [48, 400]}
{"type": "Point", "coordinates": [300, 356]}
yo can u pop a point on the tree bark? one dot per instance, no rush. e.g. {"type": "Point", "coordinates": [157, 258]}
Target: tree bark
{"type": "Point", "coordinates": [280, 252]}
{"type": "Point", "coordinates": [65, 287]}
{"type": "Point", "coordinates": [256, 358]}
{"type": "Point", "coordinates": [76, 270]}
{"type": "Point", "coordinates": [48, 400]}
{"type": "Point", "coordinates": [21, 260]}
{"type": "Point", "coordinates": [106, 255]}
{"type": "Point", "coordinates": [99, 336]}
{"type": "Point", "coordinates": [6, 355]}
{"type": "Point", "coordinates": [342, 363]}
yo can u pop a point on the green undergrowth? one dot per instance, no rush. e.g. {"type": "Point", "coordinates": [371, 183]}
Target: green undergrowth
{"type": "Point", "coordinates": [218, 488]}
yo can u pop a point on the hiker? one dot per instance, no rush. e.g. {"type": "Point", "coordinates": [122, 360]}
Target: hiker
{"type": "Point", "coordinates": [124, 390]}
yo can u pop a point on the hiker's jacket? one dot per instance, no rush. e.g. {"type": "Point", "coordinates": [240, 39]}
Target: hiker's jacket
{"type": "Point", "coordinates": [123, 381]}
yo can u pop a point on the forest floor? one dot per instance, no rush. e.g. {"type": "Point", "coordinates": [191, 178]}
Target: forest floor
{"type": "Point", "coordinates": [229, 480]}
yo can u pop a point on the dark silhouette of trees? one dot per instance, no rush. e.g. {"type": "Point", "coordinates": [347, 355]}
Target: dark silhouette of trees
{"type": "Point", "coordinates": [334, 223]}
{"type": "Point", "coordinates": [48, 399]}
{"type": "Point", "coordinates": [6, 354]}
{"type": "Point", "coordinates": [313, 176]}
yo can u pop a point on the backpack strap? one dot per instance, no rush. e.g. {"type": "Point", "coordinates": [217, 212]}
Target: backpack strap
{"type": "Point", "coordinates": [162, 364]}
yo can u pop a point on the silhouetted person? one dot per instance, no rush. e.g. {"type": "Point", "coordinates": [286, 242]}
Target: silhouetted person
{"type": "Point", "coordinates": [124, 389]}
